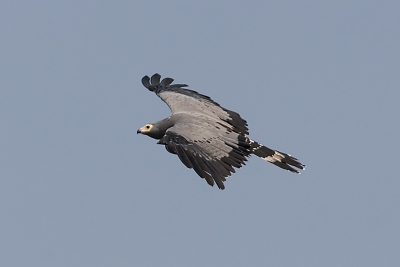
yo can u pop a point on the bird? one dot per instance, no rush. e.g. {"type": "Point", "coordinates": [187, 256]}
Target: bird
{"type": "Point", "coordinates": [206, 137]}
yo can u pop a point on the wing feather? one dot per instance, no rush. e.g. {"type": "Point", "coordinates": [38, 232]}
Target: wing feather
{"type": "Point", "coordinates": [184, 157]}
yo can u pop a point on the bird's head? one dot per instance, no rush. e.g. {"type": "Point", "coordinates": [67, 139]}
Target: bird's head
{"type": "Point", "coordinates": [151, 130]}
{"type": "Point", "coordinates": [145, 129]}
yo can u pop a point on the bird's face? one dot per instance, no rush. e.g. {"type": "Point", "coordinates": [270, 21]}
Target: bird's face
{"type": "Point", "coordinates": [151, 130]}
{"type": "Point", "coordinates": [145, 129]}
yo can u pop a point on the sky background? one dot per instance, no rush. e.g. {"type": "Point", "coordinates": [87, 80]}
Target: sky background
{"type": "Point", "coordinates": [317, 79]}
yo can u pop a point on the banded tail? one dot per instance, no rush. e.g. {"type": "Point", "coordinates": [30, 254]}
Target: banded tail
{"type": "Point", "coordinates": [280, 159]}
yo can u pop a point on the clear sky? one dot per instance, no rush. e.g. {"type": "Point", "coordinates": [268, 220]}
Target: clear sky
{"type": "Point", "coordinates": [317, 79]}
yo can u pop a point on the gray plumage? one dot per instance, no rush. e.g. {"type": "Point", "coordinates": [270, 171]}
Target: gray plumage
{"type": "Point", "coordinates": [206, 137]}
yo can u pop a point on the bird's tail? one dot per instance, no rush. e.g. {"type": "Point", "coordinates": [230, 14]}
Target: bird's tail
{"type": "Point", "coordinates": [280, 159]}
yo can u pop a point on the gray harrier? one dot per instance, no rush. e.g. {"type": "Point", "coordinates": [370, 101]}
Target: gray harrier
{"type": "Point", "coordinates": [205, 136]}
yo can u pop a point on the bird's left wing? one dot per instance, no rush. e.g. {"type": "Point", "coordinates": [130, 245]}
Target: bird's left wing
{"type": "Point", "coordinates": [212, 154]}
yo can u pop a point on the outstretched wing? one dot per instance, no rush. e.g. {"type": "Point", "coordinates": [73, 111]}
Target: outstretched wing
{"type": "Point", "coordinates": [182, 100]}
{"type": "Point", "coordinates": [211, 154]}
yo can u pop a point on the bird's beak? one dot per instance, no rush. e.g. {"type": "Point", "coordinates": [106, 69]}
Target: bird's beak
{"type": "Point", "coordinates": [139, 131]}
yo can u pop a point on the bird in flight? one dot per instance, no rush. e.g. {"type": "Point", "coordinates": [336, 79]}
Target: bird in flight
{"type": "Point", "coordinates": [206, 137]}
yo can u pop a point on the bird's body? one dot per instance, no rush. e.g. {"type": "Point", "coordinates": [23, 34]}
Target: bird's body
{"type": "Point", "coordinates": [205, 136]}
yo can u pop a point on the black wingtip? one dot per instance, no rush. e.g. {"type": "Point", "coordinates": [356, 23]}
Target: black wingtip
{"type": "Point", "coordinates": [155, 79]}
{"type": "Point", "coordinates": [146, 82]}
{"type": "Point", "coordinates": [166, 81]}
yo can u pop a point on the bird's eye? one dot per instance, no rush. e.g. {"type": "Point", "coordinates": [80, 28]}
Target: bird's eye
{"type": "Point", "coordinates": [147, 126]}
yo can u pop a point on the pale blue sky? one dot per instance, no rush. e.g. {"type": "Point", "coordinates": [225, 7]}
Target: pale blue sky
{"type": "Point", "coordinates": [317, 79]}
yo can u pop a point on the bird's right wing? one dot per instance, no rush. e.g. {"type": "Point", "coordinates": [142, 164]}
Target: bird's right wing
{"type": "Point", "coordinates": [182, 100]}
